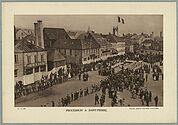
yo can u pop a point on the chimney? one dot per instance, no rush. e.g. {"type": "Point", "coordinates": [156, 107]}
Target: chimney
{"type": "Point", "coordinates": [161, 34]}
{"type": "Point", "coordinates": [36, 35]}
{"type": "Point", "coordinates": [40, 34]}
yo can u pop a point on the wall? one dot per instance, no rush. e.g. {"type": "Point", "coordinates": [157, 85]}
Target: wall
{"type": "Point", "coordinates": [32, 54]}
{"type": "Point", "coordinates": [86, 55]}
{"type": "Point", "coordinates": [18, 66]}
{"type": "Point", "coordinates": [75, 56]}
{"type": "Point", "coordinates": [30, 78]}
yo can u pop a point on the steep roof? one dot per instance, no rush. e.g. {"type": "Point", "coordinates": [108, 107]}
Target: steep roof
{"type": "Point", "coordinates": [54, 56]}
{"type": "Point", "coordinates": [88, 44]}
{"type": "Point", "coordinates": [135, 36]}
{"type": "Point", "coordinates": [83, 35]}
{"type": "Point", "coordinates": [67, 44]}
{"type": "Point", "coordinates": [27, 46]}
{"type": "Point", "coordinates": [30, 37]}
{"type": "Point", "coordinates": [16, 50]}
{"type": "Point", "coordinates": [115, 39]}
{"type": "Point", "coordinates": [55, 33]}
{"type": "Point", "coordinates": [99, 39]}
{"type": "Point", "coordinates": [75, 34]}
{"type": "Point", "coordinates": [76, 44]}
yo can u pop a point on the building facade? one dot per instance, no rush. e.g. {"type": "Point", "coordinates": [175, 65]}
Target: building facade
{"type": "Point", "coordinates": [32, 62]}
{"type": "Point", "coordinates": [78, 51]}
{"type": "Point", "coordinates": [18, 64]}
{"type": "Point", "coordinates": [117, 43]}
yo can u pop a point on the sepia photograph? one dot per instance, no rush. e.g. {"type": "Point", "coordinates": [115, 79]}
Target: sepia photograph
{"type": "Point", "coordinates": [100, 62]}
{"type": "Point", "coordinates": [88, 60]}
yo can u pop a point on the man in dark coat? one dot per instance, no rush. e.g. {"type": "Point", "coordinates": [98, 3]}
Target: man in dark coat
{"type": "Point", "coordinates": [150, 96]}
{"type": "Point", "coordinates": [53, 104]}
{"type": "Point", "coordinates": [156, 101]}
{"type": "Point", "coordinates": [79, 75]}
{"type": "Point", "coordinates": [96, 99]}
{"type": "Point", "coordinates": [146, 77]}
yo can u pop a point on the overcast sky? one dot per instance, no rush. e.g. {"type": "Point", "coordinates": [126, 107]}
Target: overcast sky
{"type": "Point", "coordinates": [99, 23]}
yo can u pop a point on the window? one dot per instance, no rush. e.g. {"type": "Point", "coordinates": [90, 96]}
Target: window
{"type": "Point", "coordinates": [15, 73]}
{"type": "Point", "coordinates": [16, 58]}
{"type": "Point", "coordinates": [36, 58]}
{"type": "Point", "coordinates": [65, 51]}
{"type": "Point", "coordinates": [43, 68]}
{"type": "Point", "coordinates": [37, 69]}
{"type": "Point", "coordinates": [88, 58]}
{"type": "Point", "coordinates": [42, 58]}
{"type": "Point", "coordinates": [28, 59]}
{"type": "Point", "coordinates": [29, 71]}
{"type": "Point", "coordinates": [85, 59]}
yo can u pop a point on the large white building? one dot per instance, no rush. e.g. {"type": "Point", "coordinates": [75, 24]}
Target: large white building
{"type": "Point", "coordinates": [117, 43]}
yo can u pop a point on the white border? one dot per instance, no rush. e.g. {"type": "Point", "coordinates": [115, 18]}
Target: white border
{"type": "Point", "coordinates": [113, 115]}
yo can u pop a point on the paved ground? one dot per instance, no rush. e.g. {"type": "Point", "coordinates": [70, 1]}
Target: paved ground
{"type": "Point", "coordinates": [154, 86]}
{"type": "Point", "coordinates": [58, 91]}
{"type": "Point", "coordinates": [61, 90]}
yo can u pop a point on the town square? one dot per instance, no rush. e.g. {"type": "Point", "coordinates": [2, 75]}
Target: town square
{"type": "Point", "coordinates": [88, 61]}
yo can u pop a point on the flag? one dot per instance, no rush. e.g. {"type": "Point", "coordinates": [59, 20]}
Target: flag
{"type": "Point", "coordinates": [119, 19]}
{"type": "Point", "coordinates": [123, 21]}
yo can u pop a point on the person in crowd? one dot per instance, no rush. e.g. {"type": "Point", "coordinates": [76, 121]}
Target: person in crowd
{"type": "Point", "coordinates": [101, 101]}
{"type": "Point", "coordinates": [146, 77]}
{"type": "Point", "coordinates": [59, 103]}
{"type": "Point", "coordinates": [150, 96]}
{"type": "Point", "coordinates": [53, 103]}
{"type": "Point", "coordinates": [156, 100]}
{"type": "Point", "coordinates": [79, 75]}
{"type": "Point", "coordinates": [81, 92]}
{"type": "Point", "coordinates": [112, 102]}
{"type": "Point", "coordinates": [72, 96]}
{"type": "Point", "coordinates": [68, 99]}
{"type": "Point", "coordinates": [96, 99]}
{"type": "Point", "coordinates": [142, 100]}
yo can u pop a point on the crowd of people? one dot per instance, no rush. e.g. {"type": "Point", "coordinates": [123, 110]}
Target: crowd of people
{"type": "Point", "coordinates": [132, 80]}
{"type": "Point", "coordinates": [129, 79]}
{"type": "Point", "coordinates": [73, 96]}
{"type": "Point", "coordinates": [39, 85]}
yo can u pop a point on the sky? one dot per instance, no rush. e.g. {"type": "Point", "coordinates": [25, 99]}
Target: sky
{"type": "Point", "coordinates": [98, 23]}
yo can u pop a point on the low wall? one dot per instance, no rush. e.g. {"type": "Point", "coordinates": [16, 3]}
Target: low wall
{"type": "Point", "coordinates": [28, 79]}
